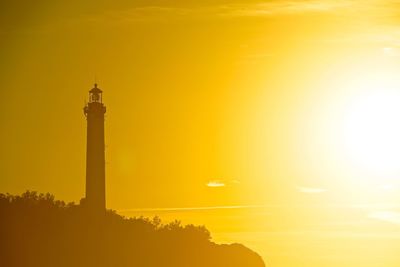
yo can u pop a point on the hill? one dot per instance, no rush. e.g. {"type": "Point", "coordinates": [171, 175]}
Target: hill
{"type": "Point", "coordinates": [37, 230]}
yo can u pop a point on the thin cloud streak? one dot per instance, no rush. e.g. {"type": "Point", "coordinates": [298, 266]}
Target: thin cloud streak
{"type": "Point", "coordinates": [218, 10]}
{"type": "Point", "coordinates": [286, 7]}
{"type": "Point", "coordinates": [386, 216]}
{"type": "Point", "coordinates": [311, 190]}
{"type": "Point", "coordinates": [195, 208]}
{"type": "Point", "coordinates": [271, 206]}
{"type": "Point", "coordinates": [215, 183]}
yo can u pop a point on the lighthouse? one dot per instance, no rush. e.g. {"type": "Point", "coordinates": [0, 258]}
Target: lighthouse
{"type": "Point", "coordinates": [94, 112]}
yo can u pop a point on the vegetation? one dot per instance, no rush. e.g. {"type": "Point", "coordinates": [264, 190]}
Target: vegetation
{"type": "Point", "coordinates": [37, 230]}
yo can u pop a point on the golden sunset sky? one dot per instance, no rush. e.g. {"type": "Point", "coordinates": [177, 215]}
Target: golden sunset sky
{"type": "Point", "coordinates": [223, 105]}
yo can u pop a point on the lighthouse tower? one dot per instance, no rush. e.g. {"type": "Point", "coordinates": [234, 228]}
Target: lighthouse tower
{"type": "Point", "coordinates": [94, 112]}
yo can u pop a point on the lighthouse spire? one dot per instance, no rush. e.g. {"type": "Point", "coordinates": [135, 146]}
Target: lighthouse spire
{"type": "Point", "coordinates": [94, 112]}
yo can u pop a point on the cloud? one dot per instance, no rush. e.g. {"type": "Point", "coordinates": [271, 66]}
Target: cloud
{"type": "Point", "coordinates": [271, 8]}
{"type": "Point", "coordinates": [194, 208]}
{"type": "Point", "coordinates": [122, 11]}
{"type": "Point", "coordinates": [222, 183]}
{"type": "Point", "coordinates": [216, 183]}
{"type": "Point", "coordinates": [391, 51]}
{"type": "Point", "coordinates": [388, 187]}
{"type": "Point", "coordinates": [311, 190]}
{"type": "Point", "coordinates": [386, 216]}
{"type": "Point", "coordinates": [157, 11]}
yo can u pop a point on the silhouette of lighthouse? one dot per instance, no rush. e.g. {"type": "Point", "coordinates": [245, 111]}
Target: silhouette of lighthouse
{"type": "Point", "coordinates": [94, 112]}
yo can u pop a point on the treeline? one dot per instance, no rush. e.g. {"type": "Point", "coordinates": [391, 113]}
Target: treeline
{"type": "Point", "coordinates": [37, 230]}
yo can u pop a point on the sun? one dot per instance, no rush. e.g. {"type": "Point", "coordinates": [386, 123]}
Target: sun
{"type": "Point", "coordinates": [371, 130]}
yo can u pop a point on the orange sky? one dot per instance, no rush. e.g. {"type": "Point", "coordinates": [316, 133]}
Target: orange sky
{"type": "Point", "coordinates": [196, 92]}
{"type": "Point", "coordinates": [263, 100]}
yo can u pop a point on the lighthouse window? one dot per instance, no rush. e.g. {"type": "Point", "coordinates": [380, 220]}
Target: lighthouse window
{"type": "Point", "coordinates": [96, 97]}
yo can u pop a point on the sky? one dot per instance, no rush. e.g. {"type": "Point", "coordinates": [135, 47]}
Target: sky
{"type": "Point", "coordinates": [210, 105]}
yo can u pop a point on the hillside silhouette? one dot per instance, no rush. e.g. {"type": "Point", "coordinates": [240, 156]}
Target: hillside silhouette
{"type": "Point", "coordinates": [37, 230]}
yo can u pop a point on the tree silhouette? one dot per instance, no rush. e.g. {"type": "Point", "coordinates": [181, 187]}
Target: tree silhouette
{"type": "Point", "coordinates": [37, 230]}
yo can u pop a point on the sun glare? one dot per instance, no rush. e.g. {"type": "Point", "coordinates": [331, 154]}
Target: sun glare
{"type": "Point", "coordinates": [371, 130]}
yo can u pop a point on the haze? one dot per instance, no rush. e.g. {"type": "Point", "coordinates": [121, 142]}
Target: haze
{"type": "Point", "coordinates": [275, 123]}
